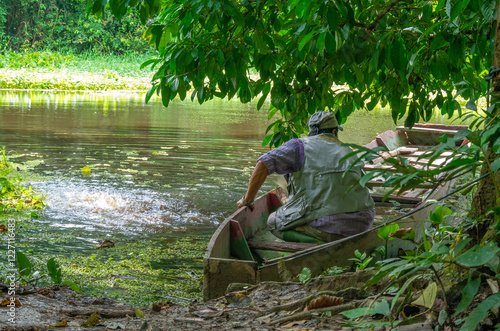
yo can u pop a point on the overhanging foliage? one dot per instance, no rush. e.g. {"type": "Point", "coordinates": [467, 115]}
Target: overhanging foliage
{"type": "Point", "coordinates": [314, 55]}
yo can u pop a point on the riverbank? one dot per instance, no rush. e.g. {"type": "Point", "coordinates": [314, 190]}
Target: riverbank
{"type": "Point", "coordinates": [53, 71]}
{"type": "Point", "coordinates": [326, 303]}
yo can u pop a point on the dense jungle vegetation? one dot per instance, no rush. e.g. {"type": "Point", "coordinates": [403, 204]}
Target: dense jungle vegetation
{"type": "Point", "coordinates": [55, 45]}
{"type": "Point", "coordinates": [63, 26]}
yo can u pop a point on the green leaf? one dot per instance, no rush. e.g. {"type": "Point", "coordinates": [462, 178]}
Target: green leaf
{"type": "Point", "coordinates": [332, 17]}
{"type": "Point", "coordinates": [487, 134]}
{"type": "Point", "coordinates": [150, 93]}
{"type": "Point", "coordinates": [468, 294]}
{"type": "Point", "coordinates": [426, 244]}
{"type": "Point", "coordinates": [305, 275]}
{"type": "Point", "coordinates": [345, 31]}
{"type": "Point", "coordinates": [164, 39]}
{"type": "Point", "coordinates": [461, 245]}
{"type": "Point", "coordinates": [443, 315]}
{"type": "Point", "coordinates": [306, 39]}
{"type": "Point", "coordinates": [495, 165]}
{"type": "Point", "coordinates": [437, 216]}
{"type": "Point", "coordinates": [148, 62]}
{"type": "Point", "coordinates": [480, 312]}
{"type": "Point", "coordinates": [398, 54]}
{"type": "Point", "coordinates": [181, 90]}
{"type": "Point", "coordinates": [404, 234]}
{"type": "Point", "coordinates": [201, 94]}
{"type": "Point", "coordinates": [381, 307]}
{"type": "Point", "coordinates": [428, 296]}
{"type": "Point", "coordinates": [267, 140]}
{"type": "Point", "coordinates": [320, 43]}
{"type": "Point", "coordinates": [448, 8]}
{"type": "Point", "coordinates": [427, 10]}
{"type": "Point", "coordinates": [496, 145]}
{"type": "Point", "coordinates": [487, 9]}
{"type": "Point", "coordinates": [342, 8]}
{"type": "Point", "coordinates": [174, 85]}
{"type": "Point", "coordinates": [458, 8]}
{"type": "Point", "coordinates": [385, 231]}
{"type": "Point", "coordinates": [430, 30]}
{"type": "Point", "coordinates": [367, 178]}
{"type": "Point", "coordinates": [412, 116]}
{"type": "Point", "coordinates": [478, 255]}
{"type": "Point", "coordinates": [330, 43]}
{"type": "Point", "coordinates": [72, 286]}
{"type": "Point", "coordinates": [54, 270]}
{"type": "Point", "coordinates": [23, 264]}
{"type": "Point", "coordinates": [261, 101]}
{"type": "Point", "coordinates": [438, 42]}
{"type": "Point", "coordinates": [165, 93]}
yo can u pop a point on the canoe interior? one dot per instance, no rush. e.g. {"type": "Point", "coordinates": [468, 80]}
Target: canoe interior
{"type": "Point", "coordinates": [242, 250]}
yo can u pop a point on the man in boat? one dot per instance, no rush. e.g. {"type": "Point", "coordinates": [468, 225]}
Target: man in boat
{"type": "Point", "coordinates": [325, 202]}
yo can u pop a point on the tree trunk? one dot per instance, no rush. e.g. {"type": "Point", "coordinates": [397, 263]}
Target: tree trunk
{"type": "Point", "coordinates": [487, 196]}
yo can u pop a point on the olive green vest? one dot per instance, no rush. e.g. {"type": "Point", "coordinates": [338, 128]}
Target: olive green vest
{"type": "Point", "coordinates": [320, 187]}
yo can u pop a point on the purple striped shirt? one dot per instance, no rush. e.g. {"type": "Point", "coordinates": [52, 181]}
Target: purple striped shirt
{"type": "Point", "coordinates": [289, 158]}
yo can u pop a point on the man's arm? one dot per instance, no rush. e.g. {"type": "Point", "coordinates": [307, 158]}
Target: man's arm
{"type": "Point", "coordinates": [258, 177]}
{"type": "Point", "coordinates": [285, 159]}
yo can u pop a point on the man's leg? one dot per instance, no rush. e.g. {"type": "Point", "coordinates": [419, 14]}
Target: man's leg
{"type": "Point", "coordinates": [271, 225]}
{"type": "Point", "coordinates": [313, 232]}
{"type": "Point", "coordinates": [303, 229]}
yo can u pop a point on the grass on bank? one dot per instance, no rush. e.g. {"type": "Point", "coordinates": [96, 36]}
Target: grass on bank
{"type": "Point", "coordinates": [87, 71]}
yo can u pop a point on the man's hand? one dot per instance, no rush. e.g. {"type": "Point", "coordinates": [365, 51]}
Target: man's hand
{"type": "Point", "coordinates": [240, 204]}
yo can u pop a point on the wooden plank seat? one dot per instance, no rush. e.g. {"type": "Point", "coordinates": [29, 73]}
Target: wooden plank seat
{"type": "Point", "coordinates": [279, 246]}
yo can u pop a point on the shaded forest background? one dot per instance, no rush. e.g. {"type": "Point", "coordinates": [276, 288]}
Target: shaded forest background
{"type": "Point", "coordinates": [63, 26]}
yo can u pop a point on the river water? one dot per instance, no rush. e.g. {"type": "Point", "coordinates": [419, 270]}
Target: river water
{"type": "Point", "coordinates": [155, 171]}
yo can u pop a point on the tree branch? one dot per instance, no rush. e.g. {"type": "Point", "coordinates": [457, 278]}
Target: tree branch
{"type": "Point", "coordinates": [379, 17]}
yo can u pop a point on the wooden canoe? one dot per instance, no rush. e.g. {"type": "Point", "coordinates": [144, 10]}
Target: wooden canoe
{"type": "Point", "coordinates": [238, 250]}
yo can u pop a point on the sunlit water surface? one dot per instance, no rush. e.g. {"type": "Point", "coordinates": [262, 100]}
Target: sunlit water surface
{"type": "Point", "coordinates": [156, 172]}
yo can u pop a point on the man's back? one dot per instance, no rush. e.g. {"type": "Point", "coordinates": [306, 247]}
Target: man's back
{"type": "Point", "coordinates": [322, 187]}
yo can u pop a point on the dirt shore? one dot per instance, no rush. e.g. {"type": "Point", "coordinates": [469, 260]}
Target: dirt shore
{"type": "Point", "coordinates": [267, 306]}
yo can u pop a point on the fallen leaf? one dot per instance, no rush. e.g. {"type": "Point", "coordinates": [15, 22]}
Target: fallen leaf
{"type": "Point", "coordinates": [139, 313]}
{"type": "Point", "coordinates": [239, 300]}
{"type": "Point", "coordinates": [92, 320]}
{"type": "Point", "coordinates": [60, 324]}
{"type": "Point", "coordinates": [266, 318]}
{"type": "Point", "coordinates": [324, 301]}
{"type": "Point", "coordinates": [7, 302]}
{"type": "Point", "coordinates": [292, 324]}
{"type": "Point", "coordinates": [208, 313]}
{"type": "Point", "coordinates": [493, 285]}
{"type": "Point", "coordinates": [3, 228]}
{"type": "Point", "coordinates": [115, 325]}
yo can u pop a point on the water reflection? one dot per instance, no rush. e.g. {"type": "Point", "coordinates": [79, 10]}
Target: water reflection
{"type": "Point", "coordinates": [154, 169]}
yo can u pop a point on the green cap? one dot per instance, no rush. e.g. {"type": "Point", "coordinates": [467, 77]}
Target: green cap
{"type": "Point", "coordinates": [323, 120]}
